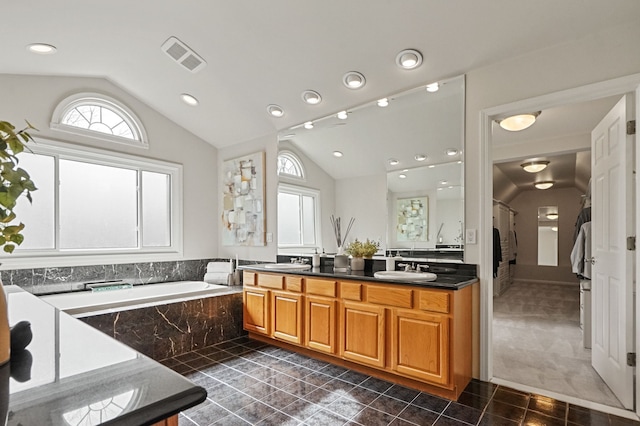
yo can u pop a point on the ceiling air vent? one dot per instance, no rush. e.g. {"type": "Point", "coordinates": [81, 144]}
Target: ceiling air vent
{"type": "Point", "coordinates": [182, 54]}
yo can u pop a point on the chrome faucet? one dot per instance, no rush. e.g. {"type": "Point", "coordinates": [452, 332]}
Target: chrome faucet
{"type": "Point", "coordinates": [408, 267]}
{"type": "Point", "coordinates": [300, 260]}
{"type": "Point", "coordinates": [420, 268]}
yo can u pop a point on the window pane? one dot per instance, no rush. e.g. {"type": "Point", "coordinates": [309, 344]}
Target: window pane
{"type": "Point", "coordinates": [39, 217]}
{"type": "Point", "coordinates": [288, 219]}
{"type": "Point", "coordinates": [156, 209]}
{"type": "Point", "coordinates": [308, 220]}
{"type": "Point", "coordinates": [98, 206]}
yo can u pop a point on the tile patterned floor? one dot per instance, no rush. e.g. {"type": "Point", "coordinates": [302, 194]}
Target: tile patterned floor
{"type": "Point", "coordinates": [251, 383]}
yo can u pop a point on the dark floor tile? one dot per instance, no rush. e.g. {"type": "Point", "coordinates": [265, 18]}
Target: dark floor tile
{"type": "Point", "coordinates": [388, 405]}
{"type": "Point", "coordinates": [519, 399]}
{"type": "Point", "coordinates": [333, 370]}
{"type": "Point", "coordinates": [225, 345]}
{"type": "Point", "coordinates": [280, 380]}
{"type": "Point", "coordinates": [448, 421]}
{"type": "Point", "coordinates": [472, 400]}
{"type": "Point", "coordinates": [491, 420]}
{"type": "Point", "coordinates": [279, 399]}
{"type": "Point", "coordinates": [169, 362]}
{"type": "Point", "coordinates": [548, 406]}
{"type": "Point", "coordinates": [187, 357]}
{"type": "Point", "coordinates": [353, 377]}
{"type": "Point", "coordinates": [261, 373]}
{"type": "Point", "coordinates": [279, 419]}
{"type": "Point", "coordinates": [209, 414]}
{"type": "Point", "coordinates": [317, 379]}
{"type": "Point", "coordinates": [300, 409]}
{"type": "Point", "coordinates": [400, 422]}
{"type": "Point", "coordinates": [418, 415]}
{"type": "Point", "coordinates": [230, 420]}
{"type": "Point", "coordinates": [533, 418]}
{"type": "Point", "coordinates": [376, 384]}
{"type": "Point", "coordinates": [299, 388]}
{"type": "Point", "coordinates": [220, 356]}
{"type": "Point", "coordinates": [255, 412]}
{"type": "Point", "coordinates": [338, 385]}
{"type": "Point", "coordinates": [462, 412]}
{"type": "Point", "coordinates": [403, 393]}
{"type": "Point", "coordinates": [200, 362]}
{"type": "Point", "coordinates": [185, 421]}
{"type": "Point", "coordinates": [325, 418]}
{"type": "Point", "coordinates": [191, 411]}
{"type": "Point", "coordinates": [235, 401]}
{"type": "Point", "coordinates": [431, 402]}
{"type": "Point", "coordinates": [242, 381]}
{"type": "Point", "coordinates": [370, 417]}
{"type": "Point", "coordinates": [208, 350]}
{"type": "Point", "coordinates": [224, 375]}
{"type": "Point", "coordinates": [322, 397]}
{"type": "Point", "coordinates": [182, 369]}
{"type": "Point", "coordinates": [505, 410]}
{"type": "Point", "coordinates": [346, 408]}
{"type": "Point", "coordinates": [260, 390]}
{"type": "Point", "coordinates": [586, 417]}
{"type": "Point", "coordinates": [253, 344]}
{"type": "Point", "coordinates": [483, 389]}
{"type": "Point", "coordinates": [362, 395]}
{"type": "Point", "coordinates": [238, 350]}
{"type": "Point", "coordinates": [314, 364]}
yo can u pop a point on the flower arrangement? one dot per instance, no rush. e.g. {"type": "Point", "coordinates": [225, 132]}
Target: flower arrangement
{"type": "Point", "coordinates": [358, 248]}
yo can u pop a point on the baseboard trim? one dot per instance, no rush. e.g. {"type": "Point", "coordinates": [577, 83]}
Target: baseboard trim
{"type": "Point", "coordinates": [520, 280]}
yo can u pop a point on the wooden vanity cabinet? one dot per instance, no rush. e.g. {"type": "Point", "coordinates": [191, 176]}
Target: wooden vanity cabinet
{"type": "Point", "coordinates": [256, 310]}
{"type": "Point", "coordinates": [362, 331]}
{"type": "Point", "coordinates": [320, 322]}
{"type": "Point", "coordinates": [286, 316]}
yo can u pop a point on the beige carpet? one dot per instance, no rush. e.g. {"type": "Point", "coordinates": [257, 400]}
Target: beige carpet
{"type": "Point", "coordinates": [537, 341]}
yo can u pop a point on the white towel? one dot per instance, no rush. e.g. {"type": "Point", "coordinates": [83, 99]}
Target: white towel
{"type": "Point", "coordinates": [220, 267]}
{"type": "Point", "coordinates": [217, 278]}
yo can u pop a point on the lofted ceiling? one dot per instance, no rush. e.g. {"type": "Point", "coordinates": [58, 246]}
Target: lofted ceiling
{"type": "Point", "coordinates": [259, 53]}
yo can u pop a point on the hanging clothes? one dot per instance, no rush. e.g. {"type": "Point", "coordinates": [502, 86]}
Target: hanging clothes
{"type": "Point", "coordinates": [513, 247]}
{"type": "Point", "coordinates": [497, 251]}
{"type": "Point", "coordinates": [583, 217]}
{"type": "Point", "coordinates": [581, 253]}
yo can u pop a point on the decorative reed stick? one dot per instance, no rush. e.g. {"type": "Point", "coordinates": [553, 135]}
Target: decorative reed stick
{"type": "Point", "coordinates": [335, 222]}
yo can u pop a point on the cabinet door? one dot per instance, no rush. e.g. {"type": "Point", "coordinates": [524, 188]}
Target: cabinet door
{"type": "Point", "coordinates": [420, 345]}
{"type": "Point", "coordinates": [363, 334]}
{"type": "Point", "coordinates": [320, 315]}
{"type": "Point", "coordinates": [286, 316]}
{"type": "Point", "coordinates": [256, 310]}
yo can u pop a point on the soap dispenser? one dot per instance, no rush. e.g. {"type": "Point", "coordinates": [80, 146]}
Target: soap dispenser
{"type": "Point", "coordinates": [315, 260]}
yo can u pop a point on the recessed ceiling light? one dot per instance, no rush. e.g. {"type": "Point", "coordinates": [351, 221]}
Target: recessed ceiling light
{"type": "Point", "coordinates": [552, 216]}
{"type": "Point", "coordinates": [409, 59]}
{"type": "Point", "coordinates": [440, 189]}
{"type": "Point", "coordinates": [431, 166]}
{"type": "Point", "coordinates": [405, 170]}
{"type": "Point", "coordinates": [189, 99]}
{"type": "Point", "coordinates": [420, 157]}
{"type": "Point", "coordinates": [443, 182]}
{"type": "Point", "coordinates": [544, 185]}
{"type": "Point", "coordinates": [337, 154]}
{"type": "Point", "coordinates": [515, 123]}
{"type": "Point", "coordinates": [42, 48]}
{"type": "Point", "coordinates": [451, 152]}
{"type": "Point", "coordinates": [460, 162]}
{"type": "Point", "coordinates": [308, 125]}
{"type": "Point", "coordinates": [354, 80]}
{"type": "Point", "coordinates": [402, 176]}
{"type": "Point", "coordinates": [342, 115]}
{"type": "Point", "coordinates": [383, 102]}
{"type": "Point", "coordinates": [534, 166]}
{"type": "Point", "coordinates": [433, 87]}
{"type": "Point", "coordinates": [393, 162]}
{"type": "Point", "coordinates": [275, 110]}
{"type": "Point", "coordinates": [311, 97]}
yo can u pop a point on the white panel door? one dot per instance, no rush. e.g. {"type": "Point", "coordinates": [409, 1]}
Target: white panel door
{"type": "Point", "coordinates": [612, 274]}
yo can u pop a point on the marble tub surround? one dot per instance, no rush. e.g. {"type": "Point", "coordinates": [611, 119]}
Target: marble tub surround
{"type": "Point", "coordinates": [72, 278]}
{"type": "Point", "coordinates": [173, 329]}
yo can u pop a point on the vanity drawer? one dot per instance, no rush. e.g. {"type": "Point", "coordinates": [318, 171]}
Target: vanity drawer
{"type": "Point", "coordinates": [390, 296]}
{"type": "Point", "coordinates": [321, 287]}
{"type": "Point", "coordinates": [293, 284]}
{"type": "Point", "coordinates": [271, 281]}
{"type": "Point", "coordinates": [434, 301]}
{"type": "Point", "coordinates": [248, 278]}
{"type": "Point", "coordinates": [351, 291]}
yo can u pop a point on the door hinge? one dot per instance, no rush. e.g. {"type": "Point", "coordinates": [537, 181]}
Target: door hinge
{"type": "Point", "coordinates": [631, 127]}
{"type": "Point", "coordinates": [631, 243]}
{"type": "Point", "coordinates": [631, 359]}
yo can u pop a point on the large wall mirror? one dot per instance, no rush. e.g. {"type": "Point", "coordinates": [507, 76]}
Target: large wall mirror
{"type": "Point", "coordinates": [548, 236]}
{"type": "Point", "coordinates": [394, 165]}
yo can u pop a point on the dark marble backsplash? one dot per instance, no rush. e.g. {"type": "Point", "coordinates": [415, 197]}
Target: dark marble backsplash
{"type": "Point", "coordinates": [65, 279]}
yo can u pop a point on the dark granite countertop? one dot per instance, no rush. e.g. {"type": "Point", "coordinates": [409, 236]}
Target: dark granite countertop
{"type": "Point", "coordinates": [449, 277]}
{"type": "Point", "coordinates": [71, 374]}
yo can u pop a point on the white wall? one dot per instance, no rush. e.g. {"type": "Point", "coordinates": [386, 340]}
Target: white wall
{"type": "Point", "coordinates": [35, 97]}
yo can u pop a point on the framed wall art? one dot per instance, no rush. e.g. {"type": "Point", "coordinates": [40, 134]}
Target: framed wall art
{"type": "Point", "coordinates": [412, 219]}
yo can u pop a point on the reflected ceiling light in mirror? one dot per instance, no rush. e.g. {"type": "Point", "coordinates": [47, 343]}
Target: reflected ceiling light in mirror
{"type": "Point", "coordinates": [393, 162]}
{"type": "Point", "coordinates": [383, 102]}
{"type": "Point", "coordinates": [534, 166]}
{"type": "Point", "coordinates": [443, 182]}
{"type": "Point", "coordinates": [402, 176]}
{"type": "Point", "coordinates": [451, 152]}
{"type": "Point", "coordinates": [42, 48]}
{"type": "Point", "coordinates": [459, 162]}
{"type": "Point", "coordinates": [544, 185]}
{"type": "Point", "coordinates": [354, 80]}
{"type": "Point", "coordinates": [515, 123]}
{"type": "Point", "coordinates": [275, 110]}
{"type": "Point", "coordinates": [433, 87]}
{"type": "Point", "coordinates": [552, 216]}
{"type": "Point", "coordinates": [342, 115]}
{"type": "Point", "coordinates": [554, 228]}
{"type": "Point", "coordinates": [409, 59]}
{"type": "Point", "coordinates": [311, 97]}
{"type": "Point", "coordinates": [308, 125]}
{"type": "Point", "coordinates": [431, 166]}
{"type": "Point", "coordinates": [420, 157]}
{"type": "Point", "coordinates": [337, 154]}
{"type": "Point", "coordinates": [189, 99]}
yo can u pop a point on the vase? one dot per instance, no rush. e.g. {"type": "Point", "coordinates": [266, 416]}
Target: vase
{"type": "Point", "coordinates": [5, 335]}
{"type": "Point", "coordinates": [357, 264]}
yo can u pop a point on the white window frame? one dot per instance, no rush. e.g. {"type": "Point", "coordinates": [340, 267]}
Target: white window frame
{"type": "Point", "coordinates": [90, 98]}
{"type": "Point", "coordinates": [296, 160]}
{"type": "Point", "coordinates": [57, 257]}
{"type": "Point", "coordinates": [301, 190]}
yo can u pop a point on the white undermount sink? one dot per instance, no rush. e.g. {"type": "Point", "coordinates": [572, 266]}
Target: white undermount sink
{"type": "Point", "coordinates": [294, 266]}
{"type": "Point", "coordinates": [406, 275]}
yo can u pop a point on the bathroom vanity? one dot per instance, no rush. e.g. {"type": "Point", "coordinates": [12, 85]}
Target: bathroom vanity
{"type": "Point", "coordinates": [71, 373]}
{"type": "Point", "coordinates": [415, 333]}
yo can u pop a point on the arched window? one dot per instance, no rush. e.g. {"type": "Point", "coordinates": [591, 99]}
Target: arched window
{"type": "Point", "coordinates": [101, 117]}
{"type": "Point", "coordinates": [289, 165]}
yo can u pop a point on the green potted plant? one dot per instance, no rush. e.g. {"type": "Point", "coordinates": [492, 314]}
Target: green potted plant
{"type": "Point", "coordinates": [359, 250]}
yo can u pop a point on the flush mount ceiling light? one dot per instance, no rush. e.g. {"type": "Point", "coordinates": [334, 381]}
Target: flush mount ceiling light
{"type": "Point", "coordinates": [420, 157]}
{"type": "Point", "coordinates": [552, 216]}
{"type": "Point", "coordinates": [189, 99]}
{"type": "Point", "coordinates": [311, 97]}
{"type": "Point", "coordinates": [308, 125]}
{"type": "Point", "coordinates": [393, 162]}
{"type": "Point", "coordinates": [337, 154]}
{"type": "Point", "coordinates": [275, 110]}
{"type": "Point", "coordinates": [402, 176]}
{"type": "Point", "coordinates": [451, 152]}
{"type": "Point", "coordinates": [342, 115]}
{"type": "Point", "coordinates": [433, 87]}
{"type": "Point", "coordinates": [409, 59]}
{"type": "Point", "coordinates": [42, 48]}
{"type": "Point", "coordinates": [354, 80]}
{"type": "Point", "coordinates": [534, 166]}
{"type": "Point", "coordinates": [515, 123]}
{"type": "Point", "coordinates": [431, 166]}
{"type": "Point", "coordinates": [544, 185]}
{"type": "Point", "coordinates": [383, 102]}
